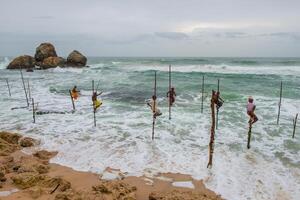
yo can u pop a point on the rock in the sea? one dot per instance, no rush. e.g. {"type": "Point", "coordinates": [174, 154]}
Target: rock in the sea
{"type": "Point", "coordinates": [76, 59]}
{"type": "Point", "coordinates": [11, 138]}
{"type": "Point", "coordinates": [43, 51]}
{"type": "Point", "coordinates": [8, 143]}
{"type": "Point", "coordinates": [27, 142]}
{"type": "Point", "coordinates": [44, 155]}
{"type": "Point", "coordinates": [22, 62]}
{"type": "Point", "coordinates": [52, 62]}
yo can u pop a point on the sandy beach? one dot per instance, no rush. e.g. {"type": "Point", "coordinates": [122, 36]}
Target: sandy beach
{"type": "Point", "coordinates": [31, 176]}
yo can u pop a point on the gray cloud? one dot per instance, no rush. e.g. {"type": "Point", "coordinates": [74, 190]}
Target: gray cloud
{"type": "Point", "coordinates": [43, 17]}
{"type": "Point", "coordinates": [172, 35]}
{"type": "Point", "coordinates": [152, 28]}
{"type": "Point", "coordinates": [290, 35]}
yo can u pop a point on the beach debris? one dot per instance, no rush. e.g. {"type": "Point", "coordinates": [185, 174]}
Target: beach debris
{"type": "Point", "coordinates": [185, 184]}
{"type": "Point", "coordinates": [113, 175]}
{"type": "Point", "coordinates": [148, 181]}
{"type": "Point", "coordinates": [8, 192]}
{"type": "Point", "coordinates": [295, 124]}
{"type": "Point", "coordinates": [279, 104]}
{"type": "Point", "coordinates": [76, 59]}
{"type": "Point", "coordinates": [23, 62]}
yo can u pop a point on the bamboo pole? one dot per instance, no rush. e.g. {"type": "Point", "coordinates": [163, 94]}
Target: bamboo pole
{"type": "Point", "coordinates": [217, 120]}
{"type": "Point", "coordinates": [93, 86]}
{"type": "Point", "coordinates": [24, 87]}
{"type": "Point", "coordinates": [212, 131]}
{"type": "Point", "coordinates": [154, 103]}
{"type": "Point", "coordinates": [73, 104]}
{"type": "Point", "coordinates": [8, 87]}
{"type": "Point", "coordinates": [295, 124]}
{"type": "Point", "coordinates": [202, 91]}
{"type": "Point", "coordinates": [249, 135]}
{"type": "Point", "coordinates": [169, 92]}
{"type": "Point", "coordinates": [279, 105]}
{"type": "Point", "coordinates": [33, 110]}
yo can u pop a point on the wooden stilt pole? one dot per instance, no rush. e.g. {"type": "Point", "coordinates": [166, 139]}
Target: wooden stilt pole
{"type": "Point", "coordinates": [154, 104]}
{"type": "Point", "coordinates": [212, 131]}
{"type": "Point", "coordinates": [33, 110]}
{"type": "Point", "coordinates": [73, 104]}
{"type": "Point", "coordinates": [279, 105]}
{"type": "Point", "coordinates": [8, 87]}
{"type": "Point", "coordinates": [24, 87]}
{"type": "Point", "coordinates": [94, 109]}
{"type": "Point", "coordinates": [249, 135]}
{"type": "Point", "coordinates": [295, 124]}
{"type": "Point", "coordinates": [217, 120]}
{"type": "Point", "coordinates": [202, 91]}
{"type": "Point", "coordinates": [28, 89]}
{"type": "Point", "coordinates": [169, 92]}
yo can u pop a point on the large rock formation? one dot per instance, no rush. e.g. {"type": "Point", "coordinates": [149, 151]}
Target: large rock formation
{"type": "Point", "coordinates": [52, 62]}
{"type": "Point", "coordinates": [45, 57]}
{"type": "Point", "coordinates": [76, 59]}
{"type": "Point", "coordinates": [22, 62]}
{"type": "Point", "coordinates": [43, 51]}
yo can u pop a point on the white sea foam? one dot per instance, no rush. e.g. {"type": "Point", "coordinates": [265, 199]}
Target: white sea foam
{"type": "Point", "coordinates": [4, 63]}
{"type": "Point", "coordinates": [224, 69]}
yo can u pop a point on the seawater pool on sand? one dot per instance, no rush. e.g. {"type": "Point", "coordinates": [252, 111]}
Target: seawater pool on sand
{"type": "Point", "coordinates": [122, 138]}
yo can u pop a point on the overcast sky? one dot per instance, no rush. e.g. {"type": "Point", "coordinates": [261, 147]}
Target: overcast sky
{"type": "Point", "coordinates": [152, 27]}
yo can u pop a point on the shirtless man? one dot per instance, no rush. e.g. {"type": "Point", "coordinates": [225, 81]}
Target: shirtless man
{"type": "Point", "coordinates": [250, 111]}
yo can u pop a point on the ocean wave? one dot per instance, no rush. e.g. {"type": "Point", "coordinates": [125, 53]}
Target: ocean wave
{"type": "Point", "coordinates": [224, 69]}
{"type": "Point", "coordinates": [4, 62]}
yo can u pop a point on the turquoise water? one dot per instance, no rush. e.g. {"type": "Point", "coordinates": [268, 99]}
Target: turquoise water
{"type": "Point", "coordinates": [122, 138]}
